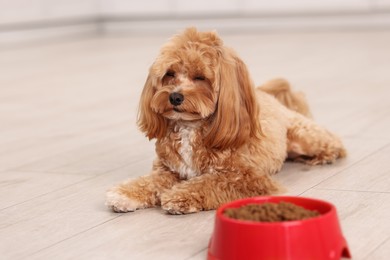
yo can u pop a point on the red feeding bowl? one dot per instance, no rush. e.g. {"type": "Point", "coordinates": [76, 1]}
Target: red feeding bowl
{"type": "Point", "coordinates": [317, 238]}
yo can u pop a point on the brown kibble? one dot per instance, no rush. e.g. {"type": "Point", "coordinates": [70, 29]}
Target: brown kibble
{"type": "Point", "coordinates": [270, 212]}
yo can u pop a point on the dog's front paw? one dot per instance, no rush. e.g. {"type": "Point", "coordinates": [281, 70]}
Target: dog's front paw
{"type": "Point", "coordinates": [179, 203]}
{"type": "Point", "coordinates": [119, 202]}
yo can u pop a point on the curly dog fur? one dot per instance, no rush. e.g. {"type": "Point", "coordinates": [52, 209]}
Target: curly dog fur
{"type": "Point", "coordinates": [218, 138]}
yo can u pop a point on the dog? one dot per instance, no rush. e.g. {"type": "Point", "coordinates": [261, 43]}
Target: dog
{"type": "Point", "coordinates": [218, 138]}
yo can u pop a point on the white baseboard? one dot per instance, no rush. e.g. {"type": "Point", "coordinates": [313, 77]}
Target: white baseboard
{"type": "Point", "coordinates": [253, 23]}
{"type": "Point", "coordinates": [20, 35]}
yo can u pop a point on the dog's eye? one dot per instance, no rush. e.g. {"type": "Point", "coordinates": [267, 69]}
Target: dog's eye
{"type": "Point", "coordinates": [170, 74]}
{"type": "Point", "coordinates": [200, 78]}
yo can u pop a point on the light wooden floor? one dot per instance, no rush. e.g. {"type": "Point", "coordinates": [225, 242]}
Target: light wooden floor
{"type": "Point", "coordinates": [67, 115]}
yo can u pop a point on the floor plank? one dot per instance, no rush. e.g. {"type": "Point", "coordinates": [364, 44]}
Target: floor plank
{"type": "Point", "coordinates": [297, 178]}
{"type": "Point", "coordinates": [382, 252]}
{"type": "Point", "coordinates": [60, 214]}
{"type": "Point", "coordinates": [370, 174]}
{"type": "Point", "coordinates": [135, 240]}
{"type": "Point", "coordinates": [18, 187]}
{"type": "Point", "coordinates": [360, 214]}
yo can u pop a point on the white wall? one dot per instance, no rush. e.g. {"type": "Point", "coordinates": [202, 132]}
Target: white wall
{"type": "Point", "coordinates": [238, 7]}
{"type": "Point", "coordinates": [19, 11]}
{"type": "Point", "coordinates": [18, 18]}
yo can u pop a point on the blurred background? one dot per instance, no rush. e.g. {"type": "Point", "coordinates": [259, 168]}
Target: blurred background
{"type": "Point", "coordinates": [71, 75]}
{"type": "Point", "coordinates": [36, 19]}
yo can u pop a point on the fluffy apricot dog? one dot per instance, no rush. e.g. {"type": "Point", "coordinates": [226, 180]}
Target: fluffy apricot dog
{"type": "Point", "coordinates": [217, 137]}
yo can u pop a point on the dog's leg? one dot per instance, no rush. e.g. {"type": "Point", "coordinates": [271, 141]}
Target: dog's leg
{"type": "Point", "coordinates": [311, 143]}
{"type": "Point", "coordinates": [143, 192]}
{"type": "Point", "coordinates": [281, 90]}
{"type": "Point", "coordinates": [209, 191]}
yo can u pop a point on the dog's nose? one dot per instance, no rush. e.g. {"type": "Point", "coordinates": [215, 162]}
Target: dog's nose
{"type": "Point", "coordinates": [176, 98]}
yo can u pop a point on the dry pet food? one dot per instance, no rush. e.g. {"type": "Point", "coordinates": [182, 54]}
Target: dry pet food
{"type": "Point", "coordinates": [270, 212]}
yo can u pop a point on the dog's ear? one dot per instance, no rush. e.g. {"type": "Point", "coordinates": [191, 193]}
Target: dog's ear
{"type": "Point", "coordinates": [149, 122]}
{"type": "Point", "coordinates": [236, 118]}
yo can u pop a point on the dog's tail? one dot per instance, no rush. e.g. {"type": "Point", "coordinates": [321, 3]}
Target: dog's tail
{"type": "Point", "coordinates": [281, 90]}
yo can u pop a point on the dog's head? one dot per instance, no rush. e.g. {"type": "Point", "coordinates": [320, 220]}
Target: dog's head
{"type": "Point", "coordinates": [196, 78]}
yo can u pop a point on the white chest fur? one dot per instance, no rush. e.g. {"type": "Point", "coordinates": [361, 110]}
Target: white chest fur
{"type": "Point", "coordinates": [186, 167]}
